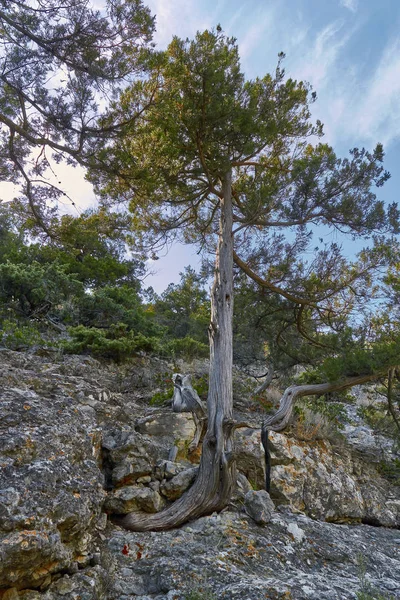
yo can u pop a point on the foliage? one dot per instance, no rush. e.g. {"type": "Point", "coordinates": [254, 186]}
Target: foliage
{"type": "Point", "coordinates": [93, 247]}
{"type": "Point", "coordinates": [19, 336]}
{"type": "Point", "coordinates": [391, 471]}
{"type": "Point", "coordinates": [202, 592]}
{"type": "Point", "coordinates": [31, 290]}
{"type": "Point", "coordinates": [61, 62]}
{"type": "Point", "coordinates": [301, 310]}
{"type": "Point", "coordinates": [159, 398]}
{"type": "Point", "coordinates": [378, 419]}
{"type": "Point", "coordinates": [112, 304]}
{"type": "Point", "coordinates": [334, 412]}
{"type": "Point", "coordinates": [184, 309]}
{"type": "Point", "coordinates": [367, 591]}
{"type": "Point", "coordinates": [114, 343]}
{"type": "Point", "coordinates": [316, 418]}
{"type": "Point", "coordinates": [186, 347]}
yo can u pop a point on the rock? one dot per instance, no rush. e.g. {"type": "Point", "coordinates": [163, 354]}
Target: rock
{"type": "Point", "coordinates": [56, 544]}
{"type": "Point", "coordinates": [167, 469]}
{"type": "Point", "coordinates": [175, 487]}
{"type": "Point", "coordinates": [250, 456]}
{"type": "Point", "coordinates": [130, 456]}
{"type": "Point", "coordinates": [330, 482]}
{"type": "Point", "coordinates": [11, 594]}
{"type": "Point", "coordinates": [171, 430]}
{"type": "Point", "coordinates": [134, 499]}
{"type": "Point", "coordinates": [90, 584]}
{"type": "Point", "coordinates": [29, 595]}
{"type": "Point", "coordinates": [296, 532]}
{"type": "Point", "coordinates": [259, 506]}
{"type": "Point", "coordinates": [52, 487]}
{"type": "Point", "coordinates": [229, 556]}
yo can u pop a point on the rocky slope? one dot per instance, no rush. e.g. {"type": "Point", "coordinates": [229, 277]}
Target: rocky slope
{"type": "Point", "coordinates": [78, 440]}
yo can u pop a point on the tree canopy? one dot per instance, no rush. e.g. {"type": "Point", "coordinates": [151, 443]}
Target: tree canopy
{"type": "Point", "coordinates": [61, 62]}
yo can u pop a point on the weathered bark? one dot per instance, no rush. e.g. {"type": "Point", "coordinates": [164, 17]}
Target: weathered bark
{"type": "Point", "coordinates": [280, 418]}
{"type": "Point", "coordinates": [217, 474]}
{"type": "Point", "coordinates": [186, 399]}
{"type": "Point", "coordinates": [266, 383]}
{"type": "Point", "coordinates": [390, 398]}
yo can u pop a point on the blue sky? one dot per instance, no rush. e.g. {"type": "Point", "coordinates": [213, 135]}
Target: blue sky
{"type": "Point", "coordinates": [349, 50]}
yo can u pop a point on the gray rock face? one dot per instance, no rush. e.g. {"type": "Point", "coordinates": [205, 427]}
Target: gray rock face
{"type": "Point", "coordinates": [76, 438]}
{"type": "Point", "coordinates": [331, 483]}
{"type": "Point", "coordinates": [52, 486]}
{"type": "Point", "coordinates": [259, 506]}
{"type": "Point", "coordinates": [134, 499]}
{"type": "Point", "coordinates": [175, 487]}
{"type": "Point", "coordinates": [228, 556]}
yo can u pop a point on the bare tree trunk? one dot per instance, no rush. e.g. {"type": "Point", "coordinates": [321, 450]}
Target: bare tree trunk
{"type": "Point", "coordinates": [217, 473]}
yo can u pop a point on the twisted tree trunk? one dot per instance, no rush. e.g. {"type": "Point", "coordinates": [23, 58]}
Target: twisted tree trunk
{"type": "Point", "coordinates": [280, 419]}
{"type": "Point", "coordinates": [217, 474]}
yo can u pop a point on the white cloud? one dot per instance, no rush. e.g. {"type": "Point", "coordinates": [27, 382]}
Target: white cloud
{"type": "Point", "coordinates": [78, 192]}
{"type": "Point", "coordinates": [8, 191]}
{"type": "Point", "coordinates": [262, 25]}
{"type": "Point", "coordinates": [181, 17]}
{"type": "Point", "coordinates": [377, 116]}
{"type": "Point", "coordinates": [351, 5]}
{"type": "Point", "coordinates": [319, 63]}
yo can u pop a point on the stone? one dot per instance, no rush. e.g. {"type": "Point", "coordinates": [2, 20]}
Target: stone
{"type": "Point", "coordinates": [230, 556]}
{"type": "Point", "coordinates": [134, 499]}
{"type": "Point", "coordinates": [250, 458]}
{"type": "Point", "coordinates": [175, 487]}
{"type": "Point", "coordinates": [11, 594]}
{"type": "Point", "coordinates": [70, 425]}
{"type": "Point", "coordinates": [259, 506]}
{"type": "Point", "coordinates": [296, 532]}
{"type": "Point", "coordinates": [51, 481]}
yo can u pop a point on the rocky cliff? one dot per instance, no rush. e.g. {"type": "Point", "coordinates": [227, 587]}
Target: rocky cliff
{"type": "Point", "coordinates": [79, 440]}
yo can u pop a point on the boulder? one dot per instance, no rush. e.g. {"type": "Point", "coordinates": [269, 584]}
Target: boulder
{"type": "Point", "coordinates": [175, 487]}
{"type": "Point", "coordinates": [134, 499]}
{"type": "Point", "coordinates": [259, 506]}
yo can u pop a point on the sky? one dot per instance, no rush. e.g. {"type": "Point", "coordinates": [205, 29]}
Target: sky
{"type": "Point", "coordinates": [348, 50]}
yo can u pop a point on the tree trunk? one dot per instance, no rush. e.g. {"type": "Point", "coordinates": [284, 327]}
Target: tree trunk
{"type": "Point", "coordinates": [217, 473]}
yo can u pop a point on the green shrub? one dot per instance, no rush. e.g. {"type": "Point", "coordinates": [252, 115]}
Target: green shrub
{"type": "Point", "coordinates": [160, 397]}
{"type": "Point", "coordinates": [15, 335]}
{"type": "Point", "coordinates": [116, 343]}
{"type": "Point", "coordinates": [390, 471]}
{"type": "Point", "coordinates": [186, 347]}
{"type": "Point", "coordinates": [367, 591]}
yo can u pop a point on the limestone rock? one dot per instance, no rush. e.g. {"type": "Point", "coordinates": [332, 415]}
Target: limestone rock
{"type": "Point", "coordinates": [130, 456]}
{"type": "Point", "coordinates": [330, 482]}
{"type": "Point", "coordinates": [134, 499]}
{"type": "Point", "coordinates": [169, 429]}
{"type": "Point", "coordinates": [175, 487]}
{"type": "Point", "coordinates": [259, 506]}
{"type": "Point", "coordinates": [250, 456]}
{"type": "Point", "coordinates": [52, 486]}
{"type": "Point", "coordinates": [229, 556]}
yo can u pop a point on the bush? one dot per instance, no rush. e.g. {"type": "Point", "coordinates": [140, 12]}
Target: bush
{"type": "Point", "coordinates": [17, 336]}
{"type": "Point", "coordinates": [186, 347]}
{"type": "Point", "coordinates": [377, 418]}
{"type": "Point", "coordinates": [116, 343]}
